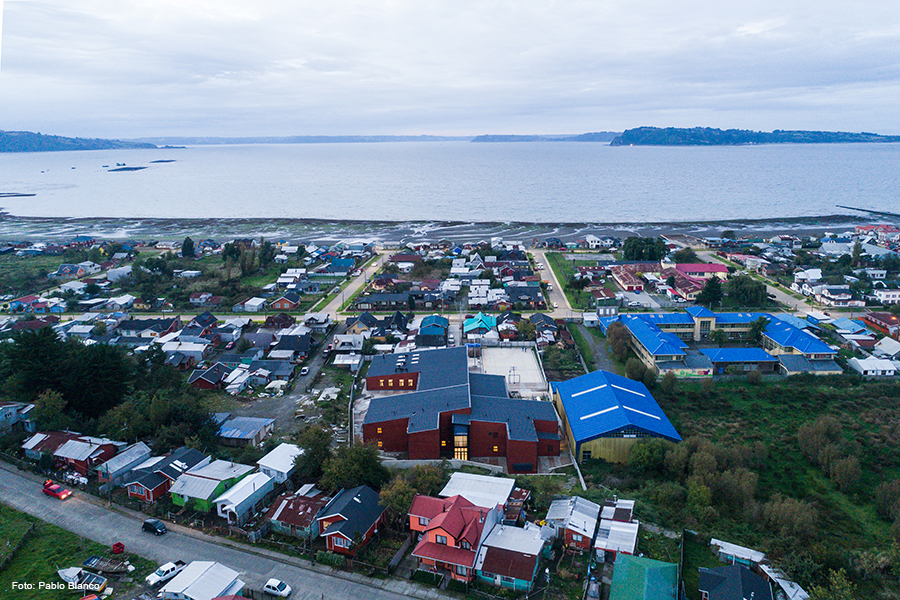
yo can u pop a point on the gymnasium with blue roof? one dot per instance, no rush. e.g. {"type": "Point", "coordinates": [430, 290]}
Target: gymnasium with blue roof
{"type": "Point", "coordinates": [604, 415]}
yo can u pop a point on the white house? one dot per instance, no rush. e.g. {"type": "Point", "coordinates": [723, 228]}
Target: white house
{"type": "Point", "coordinates": [90, 268]}
{"type": "Point", "coordinates": [255, 305]}
{"type": "Point", "coordinates": [239, 502]}
{"type": "Point", "coordinates": [888, 296]}
{"type": "Point", "coordinates": [118, 273]}
{"type": "Point", "coordinates": [873, 367]}
{"type": "Point", "coordinates": [279, 463]}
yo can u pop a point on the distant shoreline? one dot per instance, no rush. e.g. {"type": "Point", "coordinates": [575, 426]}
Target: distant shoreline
{"type": "Point", "coordinates": [14, 228]}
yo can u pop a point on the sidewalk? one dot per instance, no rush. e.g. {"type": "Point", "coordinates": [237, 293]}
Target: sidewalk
{"type": "Point", "coordinates": [392, 584]}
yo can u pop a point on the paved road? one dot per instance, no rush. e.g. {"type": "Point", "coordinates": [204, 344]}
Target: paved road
{"type": "Point", "coordinates": [88, 519]}
{"type": "Point", "coordinates": [789, 301]}
{"type": "Point", "coordinates": [565, 309]}
{"type": "Point", "coordinates": [358, 282]}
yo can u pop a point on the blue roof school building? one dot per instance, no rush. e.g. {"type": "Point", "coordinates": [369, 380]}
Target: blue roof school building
{"type": "Point", "coordinates": [604, 415]}
{"type": "Point", "coordinates": [661, 341]}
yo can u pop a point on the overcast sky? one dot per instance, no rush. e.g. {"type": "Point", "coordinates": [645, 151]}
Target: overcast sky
{"type": "Point", "coordinates": [131, 68]}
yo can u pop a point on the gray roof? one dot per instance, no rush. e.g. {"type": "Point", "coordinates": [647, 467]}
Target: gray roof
{"type": "Point", "coordinates": [126, 458]}
{"type": "Point", "coordinates": [734, 582]}
{"type": "Point", "coordinates": [436, 368]}
{"type": "Point", "coordinates": [797, 363]}
{"type": "Point", "coordinates": [575, 513]}
{"type": "Point", "coordinates": [360, 507]}
{"type": "Point", "coordinates": [518, 414]}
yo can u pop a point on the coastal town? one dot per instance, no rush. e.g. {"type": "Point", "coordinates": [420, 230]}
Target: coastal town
{"type": "Point", "coordinates": [597, 417]}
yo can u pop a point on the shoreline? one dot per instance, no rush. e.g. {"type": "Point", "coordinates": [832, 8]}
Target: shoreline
{"type": "Point", "coordinates": [16, 228]}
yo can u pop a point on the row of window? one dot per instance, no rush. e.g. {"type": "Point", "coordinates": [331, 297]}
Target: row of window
{"type": "Point", "coordinates": [400, 382]}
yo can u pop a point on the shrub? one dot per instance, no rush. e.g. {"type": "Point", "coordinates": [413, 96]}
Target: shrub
{"type": "Point", "coordinates": [887, 499]}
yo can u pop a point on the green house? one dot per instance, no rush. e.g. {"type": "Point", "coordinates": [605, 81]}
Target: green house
{"type": "Point", "coordinates": [636, 578]}
{"type": "Point", "coordinates": [197, 489]}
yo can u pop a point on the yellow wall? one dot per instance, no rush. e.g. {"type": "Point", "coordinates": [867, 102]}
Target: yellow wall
{"type": "Point", "coordinates": [610, 449]}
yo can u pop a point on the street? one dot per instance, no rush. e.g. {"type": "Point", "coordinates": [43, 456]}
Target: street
{"type": "Point", "coordinates": [23, 492]}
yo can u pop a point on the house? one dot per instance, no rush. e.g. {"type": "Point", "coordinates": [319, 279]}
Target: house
{"type": "Point", "coordinates": [451, 533]}
{"type": "Point", "coordinates": [639, 578]}
{"type": "Point", "coordinates": [443, 410]}
{"type": "Point", "coordinates": [888, 347]}
{"type": "Point", "coordinates": [239, 502]}
{"type": "Point", "coordinates": [12, 413]}
{"type": "Point", "coordinates": [195, 489]}
{"type": "Point", "coordinates": [479, 326]}
{"type": "Point", "coordinates": [148, 328]}
{"type": "Point", "coordinates": [432, 332]}
{"type": "Point", "coordinates": [604, 415]}
{"type": "Point", "coordinates": [884, 322]}
{"type": "Point", "coordinates": [289, 301]}
{"type": "Point", "coordinates": [615, 538]}
{"type": "Point", "coordinates": [574, 519]}
{"type": "Point", "coordinates": [350, 520]}
{"type": "Point", "coordinates": [873, 367]}
{"type": "Point", "coordinates": [293, 348]}
{"type": "Point", "coordinates": [480, 490]}
{"type": "Point", "coordinates": [363, 324]}
{"type": "Point", "coordinates": [279, 463]}
{"type": "Point", "coordinates": [66, 271]}
{"type": "Point", "coordinates": [202, 580]}
{"type": "Point", "coordinates": [509, 557]}
{"type": "Point", "coordinates": [295, 513]}
{"type": "Point", "coordinates": [734, 582]}
{"type": "Point", "coordinates": [212, 378]}
{"type": "Point", "coordinates": [84, 453]}
{"type": "Point", "coordinates": [886, 296]}
{"type": "Point", "coordinates": [244, 431]}
{"type": "Point", "coordinates": [204, 320]}
{"type": "Point", "coordinates": [153, 478]}
{"type": "Point", "coordinates": [41, 443]}
{"type": "Point", "coordinates": [120, 466]}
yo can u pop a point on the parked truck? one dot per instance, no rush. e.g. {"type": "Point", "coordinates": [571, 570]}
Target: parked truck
{"type": "Point", "coordinates": [165, 572]}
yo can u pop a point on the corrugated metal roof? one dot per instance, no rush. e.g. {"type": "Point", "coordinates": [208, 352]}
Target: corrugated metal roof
{"type": "Point", "coordinates": [255, 484]}
{"type": "Point", "coordinates": [617, 536]}
{"type": "Point", "coordinates": [126, 458]}
{"type": "Point", "coordinates": [574, 513]}
{"type": "Point", "coordinates": [601, 403]}
{"type": "Point", "coordinates": [204, 580]}
{"type": "Point", "coordinates": [76, 450]}
{"type": "Point", "coordinates": [480, 490]}
{"type": "Point", "coordinates": [638, 578]}
{"type": "Point", "coordinates": [738, 355]}
{"type": "Point", "coordinates": [281, 459]}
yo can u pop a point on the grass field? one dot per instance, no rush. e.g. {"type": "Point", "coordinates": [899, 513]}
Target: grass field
{"type": "Point", "coordinates": [564, 270]}
{"type": "Point", "coordinates": [50, 548]}
{"type": "Point", "coordinates": [697, 554]}
{"type": "Point", "coordinates": [583, 347]}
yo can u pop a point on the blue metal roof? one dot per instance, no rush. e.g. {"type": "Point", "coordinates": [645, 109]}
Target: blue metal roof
{"type": "Point", "coordinates": [850, 325]}
{"type": "Point", "coordinates": [656, 341]}
{"type": "Point", "coordinates": [700, 311]}
{"type": "Point", "coordinates": [747, 317]}
{"type": "Point", "coordinates": [738, 355]}
{"type": "Point", "coordinates": [795, 321]}
{"type": "Point", "coordinates": [601, 403]}
{"type": "Point", "coordinates": [785, 334]}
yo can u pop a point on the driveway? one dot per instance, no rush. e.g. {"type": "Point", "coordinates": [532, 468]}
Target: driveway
{"type": "Point", "coordinates": [92, 520]}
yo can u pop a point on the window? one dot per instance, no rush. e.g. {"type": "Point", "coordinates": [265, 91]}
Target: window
{"type": "Point", "coordinates": [496, 449]}
{"type": "Point", "coordinates": [423, 521]}
{"type": "Point", "coordinates": [379, 430]}
{"type": "Point", "coordinates": [507, 580]}
{"type": "Point", "coordinates": [402, 383]}
{"type": "Point", "coordinates": [440, 539]}
{"type": "Point", "coordinates": [443, 443]}
{"type": "Point", "coordinates": [585, 455]}
{"type": "Point", "coordinates": [576, 537]}
{"type": "Point", "coordinates": [465, 545]}
{"type": "Point", "coordinates": [410, 383]}
{"type": "Point", "coordinates": [341, 542]}
{"type": "Point", "coordinates": [381, 381]}
{"type": "Point", "coordinates": [380, 444]}
{"type": "Point", "coordinates": [460, 570]}
{"type": "Point", "coordinates": [549, 447]}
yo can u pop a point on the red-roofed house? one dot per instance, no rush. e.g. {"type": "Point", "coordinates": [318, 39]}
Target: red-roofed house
{"type": "Point", "coordinates": [452, 531]}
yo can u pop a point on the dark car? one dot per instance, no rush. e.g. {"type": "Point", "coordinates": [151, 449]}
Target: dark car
{"type": "Point", "coordinates": [56, 490]}
{"type": "Point", "coordinates": [154, 526]}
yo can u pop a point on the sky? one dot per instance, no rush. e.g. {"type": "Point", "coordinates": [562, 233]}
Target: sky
{"type": "Point", "coordinates": [134, 68]}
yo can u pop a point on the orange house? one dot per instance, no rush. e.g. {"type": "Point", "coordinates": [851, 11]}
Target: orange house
{"type": "Point", "coordinates": [451, 533]}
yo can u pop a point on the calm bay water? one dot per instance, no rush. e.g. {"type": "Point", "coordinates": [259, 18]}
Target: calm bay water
{"type": "Point", "coordinates": [528, 182]}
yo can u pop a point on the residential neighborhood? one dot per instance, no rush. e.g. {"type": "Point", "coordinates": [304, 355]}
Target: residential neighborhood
{"type": "Point", "coordinates": [463, 416]}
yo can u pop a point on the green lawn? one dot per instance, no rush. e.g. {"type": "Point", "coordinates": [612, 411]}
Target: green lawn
{"type": "Point", "coordinates": [583, 347]}
{"type": "Point", "coordinates": [51, 548]}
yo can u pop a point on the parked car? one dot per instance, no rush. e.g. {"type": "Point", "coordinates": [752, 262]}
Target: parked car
{"type": "Point", "coordinates": [304, 371]}
{"type": "Point", "coordinates": [276, 587]}
{"type": "Point", "coordinates": [165, 572]}
{"type": "Point", "coordinates": [634, 303]}
{"type": "Point", "coordinates": [56, 490]}
{"type": "Point", "coordinates": [154, 526]}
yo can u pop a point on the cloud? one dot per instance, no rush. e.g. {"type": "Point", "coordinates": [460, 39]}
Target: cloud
{"type": "Point", "coordinates": [128, 68]}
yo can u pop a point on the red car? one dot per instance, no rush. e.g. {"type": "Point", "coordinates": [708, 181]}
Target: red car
{"type": "Point", "coordinates": [56, 490]}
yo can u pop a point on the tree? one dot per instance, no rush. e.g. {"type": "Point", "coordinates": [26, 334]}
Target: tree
{"type": "Point", "coordinates": [316, 445]}
{"type": "Point", "coordinates": [428, 480]}
{"type": "Point", "coordinates": [711, 294]}
{"type": "Point", "coordinates": [685, 255]}
{"type": "Point", "coordinates": [525, 331]}
{"type": "Point", "coordinates": [856, 253]}
{"type": "Point", "coordinates": [397, 498]}
{"type": "Point", "coordinates": [669, 383]}
{"type": "Point", "coordinates": [746, 291]}
{"type": "Point", "coordinates": [266, 253]}
{"type": "Point", "coordinates": [838, 587]}
{"type": "Point", "coordinates": [757, 328]}
{"type": "Point", "coordinates": [670, 281]}
{"type": "Point", "coordinates": [649, 455]}
{"type": "Point", "coordinates": [187, 248]}
{"type": "Point", "coordinates": [353, 466]}
{"type": "Point", "coordinates": [619, 339]}
{"type": "Point", "coordinates": [50, 411]}
{"type": "Point", "coordinates": [92, 289]}
{"type": "Point", "coordinates": [845, 473]}
{"type": "Point", "coordinates": [635, 369]}
{"type": "Point", "coordinates": [887, 499]}
{"type": "Point", "coordinates": [728, 234]}
{"type": "Point", "coordinates": [719, 337]}
{"type": "Point", "coordinates": [640, 248]}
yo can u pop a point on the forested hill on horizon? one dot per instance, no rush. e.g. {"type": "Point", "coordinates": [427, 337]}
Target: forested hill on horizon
{"type": "Point", "coordinates": [27, 141]}
{"type": "Point", "coordinates": [707, 136]}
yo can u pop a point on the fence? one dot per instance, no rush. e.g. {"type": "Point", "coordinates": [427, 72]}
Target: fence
{"type": "Point", "coordinates": [398, 557]}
